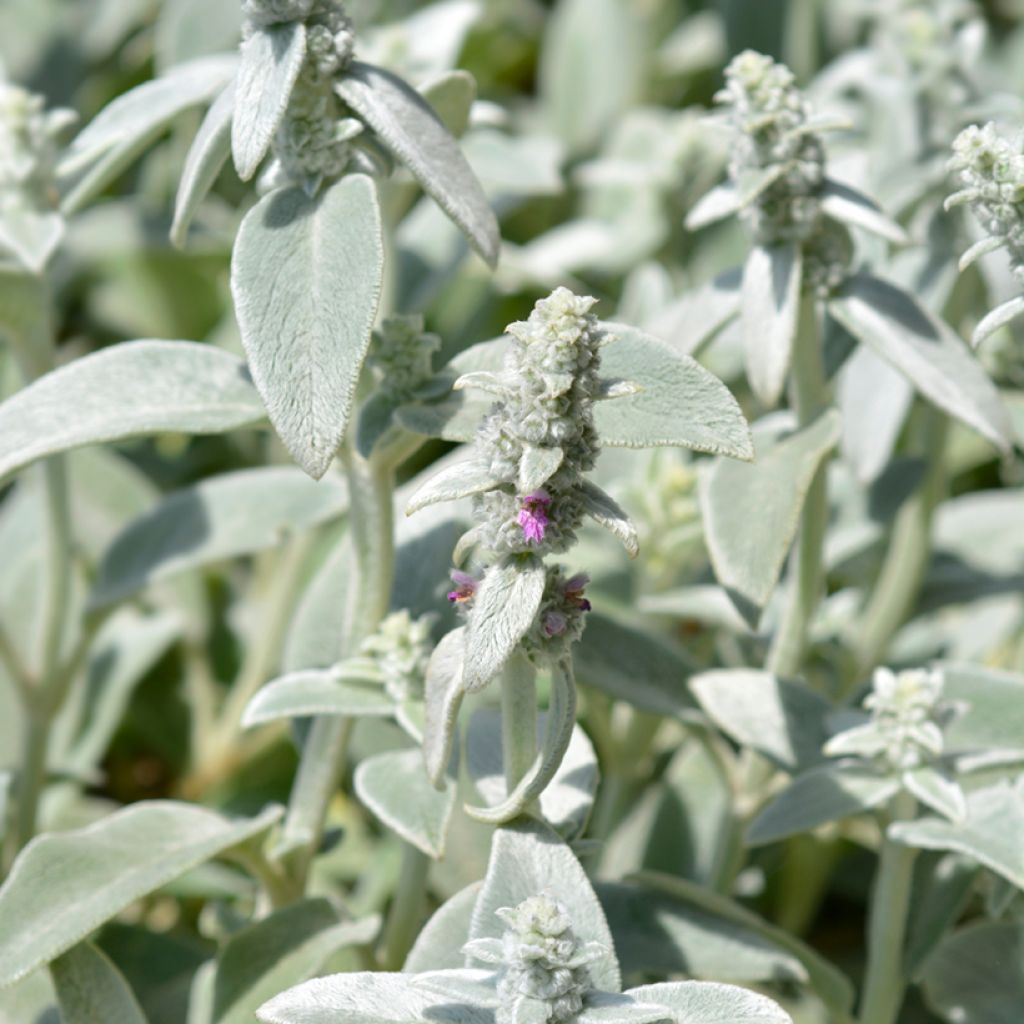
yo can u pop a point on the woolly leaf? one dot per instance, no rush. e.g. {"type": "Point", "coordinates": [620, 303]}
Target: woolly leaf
{"type": "Point", "coordinates": [410, 129]}
{"type": "Point", "coordinates": [90, 988]}
{"type": "Point", "coordinates": [306, 277]}
{"type": "Point", "coordinates": [125, 391]}
{"type": "Point", "coordinates": [271, 61]}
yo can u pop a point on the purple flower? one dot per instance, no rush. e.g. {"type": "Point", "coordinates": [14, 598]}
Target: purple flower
{"type": "Point", "coordinates": [533, 517]}
{"type": "Point", "coordinates": [555, 624]}
{"type": "Point", "coordinates": [465, 587]}
{"type": "Point", "coordinates": [573, 591]}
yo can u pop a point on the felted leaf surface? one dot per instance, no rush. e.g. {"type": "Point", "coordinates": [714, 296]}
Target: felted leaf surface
{"type": "Point", "coordinates": [306, 278]}
{"type": "Point", "coordinates": [370, 998]}
{"type": "Point", "coordinates": [997, 319]}
{"type": "Point", "coordinates": [62, 887]}
{"type": "Point", "coordinates": [411, 130]}
{"type": "Point", "coordinates": [699, 315]}
{"type": "Point", "coordinates": [752, 512]}
{"type": "Point", "coordinates": [925, 350]}
{"type": "Point", "coordinates": [459, 480]}
{"type": "Point", "coordinates": [396, 788]}
{"type": "Point", "coordinates": [317, 692]}
{"type": "Point", "coordinates": [90, 988]}
{"type": "Point", "coordinates": [992, 833]}
{"type": "Point", "coordinates": [222, 517]}
{"type": "Point", "coordinates": [148, 107]}
{"type": "Point", "coordinates": [703, 1002]}
{"type": "Point", "coordinates": [284, 949]}
{"type": "Point", "coordinates": [769, 308]}
{"type": "Point", "coordinates": [527, 859]}
{"type": "Point", "coordinates": [439, 944]}
{"type": "Point", "coordinates": [819, 796]}
{"type": "Point", "coordinates": [975, 975]}
{"type": "Point", "coordinates": [271, 61]}
{"type": "Point", "coordinates": [606, 511]}
{"type": "Point", "coordinates": [853, 208]}
{"type": "Point", "coordinates": [127, 390]}
{"type": "Point", "coordinates": [207, 155]}
{"type": "Point", "coordinates": [785, 721]}
{"type": "Point", "coordinates": [504, 608]}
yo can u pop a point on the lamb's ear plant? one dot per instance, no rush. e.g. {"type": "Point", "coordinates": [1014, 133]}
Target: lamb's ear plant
{"type": "Point", "coordinates": [799, 286]}
{"type": "Point", "coordinates": [527, 477]}
{"type": "Point", "coordinates": [537, 948]}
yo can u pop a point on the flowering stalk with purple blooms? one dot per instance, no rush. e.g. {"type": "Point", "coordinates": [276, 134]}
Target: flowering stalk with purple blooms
{"type": "Point", "coordinates": [530, 496]}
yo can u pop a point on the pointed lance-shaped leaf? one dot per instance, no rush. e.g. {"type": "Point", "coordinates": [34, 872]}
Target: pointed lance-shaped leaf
{"type": "Point", "coordinates": [769, 308]}
{"type": "Point", "coordinates": [604, 509]}
{"type": "Point", "coordinates": [444, 691]}
{"type": "Point", "coordinates": [998, 318]}
{"type": "Point", "coordinates": [306, 278]}
{"type": "Point", "coordinates": [504, 608]}
{"type": "Point", "coordinates": [411, 131]}
{"type": "Point", "coordinates": [854, 209]}
{"type": "Point", "coordinates": [925, 350]}
{"type": "Point", "coordinates": [979, 249]}
{"type": "Point", "coordinates": [207, 155]}
{"type": "Point", "coordinates": [537, 466]}
{"type": "Point", "coordinates": [459, 480]}
{"type": "Point", "coordinates": [271, 61]}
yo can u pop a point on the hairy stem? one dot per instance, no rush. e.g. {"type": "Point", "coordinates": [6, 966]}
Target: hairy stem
{"type": "Point", "coordinates": [518, 719]}
{"type": "Point", "coordinates": [806, 577]}
{"type": "Point", "coordinates": [885, 983]}
{"type": "Point", "coordinates": [371, 518]}
{"type": "Point", "coordinates": [406, 912]}
{"type": "Point", "coordinates": [906, 559]}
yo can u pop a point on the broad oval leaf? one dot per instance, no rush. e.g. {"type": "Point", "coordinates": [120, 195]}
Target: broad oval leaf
{"type": "Point", "coordinates": [974, 976]}
{"type": "Point", "coordinates": [223, 517]}
{"type": "Point", "coordinates": [306, 277]}
{"type": "Point", "coordinates": [271, 61]}
{"type": "Point", "coordinates": [75, 881]}
{"type": "Point", "coordinates": [785, 721]}
{"type": "Point", "coordinates": [528, 859]}
{"type": "Point", "coordinates": [438, 946]}
{"type": "Point", "coordinates": [751, 512]}
{"type": "Point", "coordinates": [679, 403]}
{"type": "Point", "coordinates": [395, 787]}
{"type": "Point", "coordinates": [926, 351]}
{"type": "Point", "coordinates": [819, 796]}
{"type": "Point", "coordinates": [410, 129]}
{"type": "Point", "coordinates": [208, 154]}
{"type": "Point", "coordinates": [90, 988]}
{"type": "Point", "coordinates": [992, 832]}
{"type": "Point", "coordinates": [126, 391]}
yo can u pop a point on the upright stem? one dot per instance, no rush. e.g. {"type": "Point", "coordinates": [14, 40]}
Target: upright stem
{"type": "Point", "coordinates": [885, 983]}
{"type": "Point", "coordinates": [371, 518]}
{"type": "Point", "coordinates": [406, 911]}
{"type": "Point", "coordinates": [909, 547]}
{"type": "Point", "coordinates": [805, 577]}
{"type": "Point", "coordinates": [43, 702]}
{"type": "Point", "coordinates": [518, 718]}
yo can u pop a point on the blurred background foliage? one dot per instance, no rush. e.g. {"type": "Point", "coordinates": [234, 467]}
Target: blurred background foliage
{"type": "Point", "coordinates": [590, 137]}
